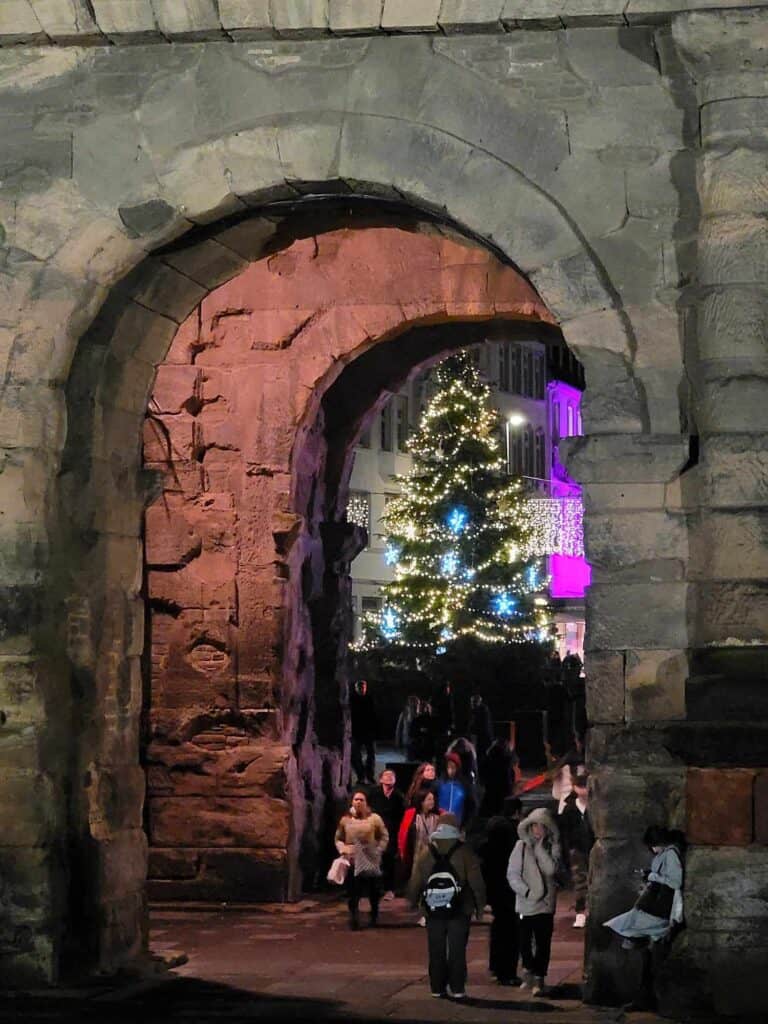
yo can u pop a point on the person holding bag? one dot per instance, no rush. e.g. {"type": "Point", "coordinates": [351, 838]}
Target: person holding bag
{"type": "Point", "coordinates": [362, 838]}
{"type": "Point", "coordinates": [532, 873]}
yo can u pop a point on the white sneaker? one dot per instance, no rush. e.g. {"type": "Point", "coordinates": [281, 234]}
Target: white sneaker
{"type": "Point", "coordinates": [422, 922]}
{"type": "Point", "coordinates": [389, 895]}
{"type": "Point", "coordinates": [581, 921]}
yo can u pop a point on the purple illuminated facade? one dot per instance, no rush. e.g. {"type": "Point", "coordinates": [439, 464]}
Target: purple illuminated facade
{"type": "Point", "coordinates": [570, 574]}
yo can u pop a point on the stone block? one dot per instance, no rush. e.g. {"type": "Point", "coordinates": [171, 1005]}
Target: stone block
{"type": "Point", "coordinates": [471, 16]}
{"type": "Point", "coordinates": [173, 864]}
{"type": "Point", "coordinates": [19, 24]}
{"type": "Point", "coordinates": [656, 685]}
{"type": "Point", "coordinates": [610, 57]}
{"type": "Point", "coordinates": [246, 19]}
{"type": "Point", "coordinates": [208, 263]}
{"type": "Point", "coordinates": [734, 182]}
{"type": "Point", "coordinates": [734, 122]}
{"type": "Point", "coordinates": [121, 864]}
{"type": "Point", "coordinates": [30, 804]}
{"type": "Point", "coordinates": [296, 18]}
{"type": "Point", "coordinates": [115, 800]}
{"type": "Point", "coordinates": [222, 822]}
{"type": "Point", "coordinates": [236, 875]}
{"type": "Point", "coordinates": [624, 458]}
{"type": "Point", "coordinates": [121, 939]}
{"type": "Point", "coordinates": [730, 545]}
{"type": "Point", "coordinates": [719, 806]}
{"type": "Point", "coordinates": [731, 614]}
{"type": "Point", "coordinates": [310, 153]}
{"type": "Point", "coordinates": [728, 683]}
{"type": "Point", "coordinates": [67, 21]}
{"type": "Point", "coordinates": [637, 615]}
{"type": "Point", "coordinates": [126, 20]}
{"type": "Point", "coordinates": [355, 16]}
{"type": "Point", "coordinates": [168, 292]}
{"type": "Point", "coordinates": [571, 287]}
{"type": "Point", "coordinates": [249, 238]}
{"type": "Point", "coordinates": [410, 15]}
{"type": "Point", "coordinates": [634, 540]}
{"type": "Point", "coordinates": [623, 803]}
{"type": "Point", "coordinates": [188, 19]}
{"type": "Point", "coordinates": [605, 686]}
{"type": "Point", "coordinates": [176, 387]}
{"type": "Point", "coordinates": [657, 123]}
{"type": "Point", "coordinates": [142, 333]}
{"type": "Point", "coordinates": [761, 808]}
{"type": "Point", "coordinates": [733, 250]}
{"type": "Point", "coordinates": [732, 324]}
{"type": "Point", "coordinates": [733, 404]}
{"type": "Point", "coordinates": [623, 497]}
{"type": "Point", "coordinates": [601, 330]}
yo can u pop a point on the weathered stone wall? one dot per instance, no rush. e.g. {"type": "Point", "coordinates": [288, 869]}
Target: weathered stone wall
{"type": "Point", "coordinates": [237, 545]}
{"type": "Point", "coordinates": [618, 166]}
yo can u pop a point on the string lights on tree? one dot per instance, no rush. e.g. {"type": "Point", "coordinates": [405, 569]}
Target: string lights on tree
{"type": "Point", "coordinates": [459, 534]}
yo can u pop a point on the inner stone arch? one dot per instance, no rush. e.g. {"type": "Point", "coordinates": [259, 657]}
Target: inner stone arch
{"type": "Point", "coordinates": [250, 429]}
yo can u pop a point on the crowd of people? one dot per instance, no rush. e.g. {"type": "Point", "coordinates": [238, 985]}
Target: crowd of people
{"type": "Point", "coordinates": [459, 840]}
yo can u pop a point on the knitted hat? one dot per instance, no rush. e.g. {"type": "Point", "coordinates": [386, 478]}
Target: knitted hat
{"type": "Point", "coordinates": [453, 756]}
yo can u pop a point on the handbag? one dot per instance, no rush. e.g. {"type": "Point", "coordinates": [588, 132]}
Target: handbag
{"type": "Point", "coordinates": [656, 899]}
{"type": "Point", "coordinates": [337, 872]}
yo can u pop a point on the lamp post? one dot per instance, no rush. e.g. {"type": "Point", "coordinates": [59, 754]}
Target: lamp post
{"type": "Point", "coordinates": [515, 420]}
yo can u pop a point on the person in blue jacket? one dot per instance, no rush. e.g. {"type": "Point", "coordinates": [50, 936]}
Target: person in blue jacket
{"type": "Point", "coordinates": [454, 795]}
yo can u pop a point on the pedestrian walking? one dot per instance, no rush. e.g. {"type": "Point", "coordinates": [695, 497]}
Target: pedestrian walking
{"type": "Point", "coordinates": [362, 838]}
{"type": "Point", "coordinates": [388, 802]}
{"type": "Point", "coordinates": [480, 726]}
{"type": "Point", "coordinates": [425, 777]}
{"type": "Point", "coordinates": [533, 866]}
{"type": "Point", "coordinates": [501, 771]}
{"type": "Point", "coordinates": [578, 840]}
{"type": "Point", "coordinates": [448, 882]}
{"type": "Point", "coordinates": [404, 724]}
{"type": "Point", "coordinates": [454, 793]}
{"type": "Point", "coordinates": [418, 824]}
{"type": "Point", "coordinates": [423, 734]}
{"type": "Point", "coordinates": [504, 947]}
{"type": "Point", "coordinates": [364, 731]}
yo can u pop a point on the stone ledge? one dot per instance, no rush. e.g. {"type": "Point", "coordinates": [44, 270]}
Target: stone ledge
{"type": "Point", "coordinates": [72, 22]}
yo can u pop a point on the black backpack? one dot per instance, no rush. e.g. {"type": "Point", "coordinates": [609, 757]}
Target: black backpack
{"type": "Point", "coordinates": [442, 893]}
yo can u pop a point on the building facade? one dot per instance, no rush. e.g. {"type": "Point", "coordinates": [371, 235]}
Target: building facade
{"type": "Point", "coordinates": [537, 391]}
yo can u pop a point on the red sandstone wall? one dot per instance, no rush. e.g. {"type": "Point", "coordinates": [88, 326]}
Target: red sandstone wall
{"type": "Point", "coordinates": [234, 426]}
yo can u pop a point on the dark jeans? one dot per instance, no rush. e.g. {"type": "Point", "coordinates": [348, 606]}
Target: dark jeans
{"type": "Point", "coordinates": [536, 942]}
{"type": "Point", "coordinates": [447, 944]}
{"type": "Point", "coordinates": [579, 872]}
{"type": "Point", "coordinates": [504, 946]}
{"type": "Point", "coordinates": [364, 773]}
{"type": "Point", "coordinates": [362, 887]}
{"type": "Point", "coordinates": [388, 867]}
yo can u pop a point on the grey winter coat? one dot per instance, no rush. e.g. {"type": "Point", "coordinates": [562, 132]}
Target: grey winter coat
{"type": "Point", "coordinates": [533, 864]}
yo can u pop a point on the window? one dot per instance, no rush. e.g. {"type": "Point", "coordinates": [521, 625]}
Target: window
{"type": "Point", "coordinates": [504, 366]}
{"type": "Point", "coordinates": [359, 510]}
{"type": "Point", "coordinates": [570, 421]}
{"type": "Point", "coordinates": [538, 376]}
{"type": "Point", "coordinates": [371, 605]}
{"type": "Point", "coordinates": [364, 440]}
{"type": "Point", "coordinates": [539, 468]}
{"type": "Point", "coordinates": [515, 359]}
{"type": "Point", "coordinates": [385, 437]}
{"type": "Point", "coordinates": [555, 422]}
{"type": "Point", "coordinates": [526, 379]}
{"type": "Point", "coordinates": [527, 451]}
{"type": "Point", "coordinates": [401, 421]}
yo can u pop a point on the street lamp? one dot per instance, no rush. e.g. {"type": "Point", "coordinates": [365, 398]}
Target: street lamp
{"type": "Point", "coordinates": [515, 420]}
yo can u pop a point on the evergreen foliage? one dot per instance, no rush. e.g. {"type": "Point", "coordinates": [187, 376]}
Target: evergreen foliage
{"type": "Point", "coordinates": [458, 532]}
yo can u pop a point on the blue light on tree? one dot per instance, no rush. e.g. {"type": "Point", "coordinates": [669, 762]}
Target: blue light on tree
{"type": "Point", "coordinates": [449, 563]}
{"type": "Point", "coordinates": [390, 623]}
{"type": "Point", "coordinates": [457, 520]}
{"type": "Point", "coordinates": [533, 577]}
{"type": "Point", "coordinates": [391, 554]}
{"type": "Point", "coordinates": [503, 604]}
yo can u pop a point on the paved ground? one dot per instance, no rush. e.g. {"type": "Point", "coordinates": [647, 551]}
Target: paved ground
{"type": "Point", "coordinates": [300, 962]}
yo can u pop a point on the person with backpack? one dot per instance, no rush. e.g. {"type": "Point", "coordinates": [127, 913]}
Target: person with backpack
{"type": "Point", "coordinates": [448, 883]}
{"type": "Point", "coordinates": [534, 866]}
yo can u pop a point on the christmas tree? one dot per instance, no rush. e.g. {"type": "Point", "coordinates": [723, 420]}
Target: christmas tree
{"type": "Point", "coordinates": [458, 534]}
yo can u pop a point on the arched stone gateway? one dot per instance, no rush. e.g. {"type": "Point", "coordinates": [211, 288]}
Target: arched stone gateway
{"type": "Point", "coordinates": [673, 464]}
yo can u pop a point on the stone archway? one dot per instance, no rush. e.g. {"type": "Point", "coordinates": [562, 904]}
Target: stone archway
{"type": "Point", "coordinates": [248, 539]}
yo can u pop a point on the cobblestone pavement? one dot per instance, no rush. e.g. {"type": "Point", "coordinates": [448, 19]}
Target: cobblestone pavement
{"type": "Point", "coordinates": [300, 962]}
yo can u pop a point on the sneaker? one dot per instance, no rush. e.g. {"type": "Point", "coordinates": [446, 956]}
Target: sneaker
{"type": "Point", "coordinates": [389, 895]}
{"type": "Point", "coordinates": [538, 987]}
{"type": "Point", "coordinates": [527, 981]}
{"type": "Point", "coordinates": [437, 995]}
{"type": "Point", "coordinates": [422, 922]}
{"type": "Point", "coordinates": [581, 921]}
{"type": "Point", "coordinates": [457, 995]}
